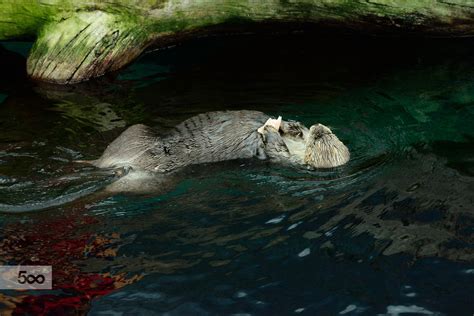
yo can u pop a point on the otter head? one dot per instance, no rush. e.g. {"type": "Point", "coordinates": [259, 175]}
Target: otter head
{"type": "Point", "coordinates": [324, 149]}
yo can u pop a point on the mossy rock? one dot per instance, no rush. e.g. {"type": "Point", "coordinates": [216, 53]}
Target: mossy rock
{"type": "Point", "coordinates": [79, 40]}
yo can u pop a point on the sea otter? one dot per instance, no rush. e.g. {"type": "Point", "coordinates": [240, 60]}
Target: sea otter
{"type": "Point", "coordinates": [224, 135]}
{"type": "Point", "coordinates": [140, 161]}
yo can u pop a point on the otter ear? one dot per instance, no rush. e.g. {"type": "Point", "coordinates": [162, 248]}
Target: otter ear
{"type": "Point", "coordinates": [85, 45]}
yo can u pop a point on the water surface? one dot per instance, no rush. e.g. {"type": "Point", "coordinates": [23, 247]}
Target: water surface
{"type": "Point", "coordinates": [389, 233]}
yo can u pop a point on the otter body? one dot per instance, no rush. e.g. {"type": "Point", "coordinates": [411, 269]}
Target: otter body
{"type": "Point", "coordinates": [226, 135]}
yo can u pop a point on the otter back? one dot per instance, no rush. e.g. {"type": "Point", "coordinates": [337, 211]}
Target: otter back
{"type": "Point", "coordinates": [207, 137]}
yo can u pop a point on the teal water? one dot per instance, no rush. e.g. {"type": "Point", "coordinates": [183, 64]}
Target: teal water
{"type": "Point", "coordinates": [389, 233]}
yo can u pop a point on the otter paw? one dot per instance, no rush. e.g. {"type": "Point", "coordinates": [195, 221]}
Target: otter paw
{"type": "Point", "coordinates": [276, 123]}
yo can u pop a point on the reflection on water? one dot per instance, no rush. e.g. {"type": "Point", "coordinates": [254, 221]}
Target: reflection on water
{"type": "Point", "coordinates": [390, 233]}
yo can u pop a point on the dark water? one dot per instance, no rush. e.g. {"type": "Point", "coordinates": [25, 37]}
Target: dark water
{"type": "Point", "coordinates": [391, 233]}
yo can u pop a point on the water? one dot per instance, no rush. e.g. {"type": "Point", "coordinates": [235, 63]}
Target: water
{"type": "Point", "coordinates": [390, 233]}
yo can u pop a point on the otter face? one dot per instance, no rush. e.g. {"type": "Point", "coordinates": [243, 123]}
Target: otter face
{"type": "Point", "coordinates": [324, 149]}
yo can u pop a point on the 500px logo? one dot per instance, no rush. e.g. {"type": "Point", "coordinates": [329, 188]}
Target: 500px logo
{"type": "Point", "coordinates": [30, 278]}
{"type": "Point", "coordinates": [26, 277]}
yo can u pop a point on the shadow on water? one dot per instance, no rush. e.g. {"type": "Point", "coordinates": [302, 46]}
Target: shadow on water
{"type": "Point", "coordinates": [391, 232]}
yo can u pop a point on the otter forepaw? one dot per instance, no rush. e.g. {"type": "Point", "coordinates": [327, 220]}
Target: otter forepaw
{"type": "Point", "coordinates": [275, 123]}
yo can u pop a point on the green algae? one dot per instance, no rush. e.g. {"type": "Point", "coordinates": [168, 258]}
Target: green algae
{"type": "Point", "coordinates": [85, 45]}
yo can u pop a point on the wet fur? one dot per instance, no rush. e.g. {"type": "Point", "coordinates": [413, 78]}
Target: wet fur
{"type": "Point", "coordinates": [324, 149]}
{"type": "Point", "coordinates": [208, 137]}
{"type": "Point", "coordinates": [219, 136]}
